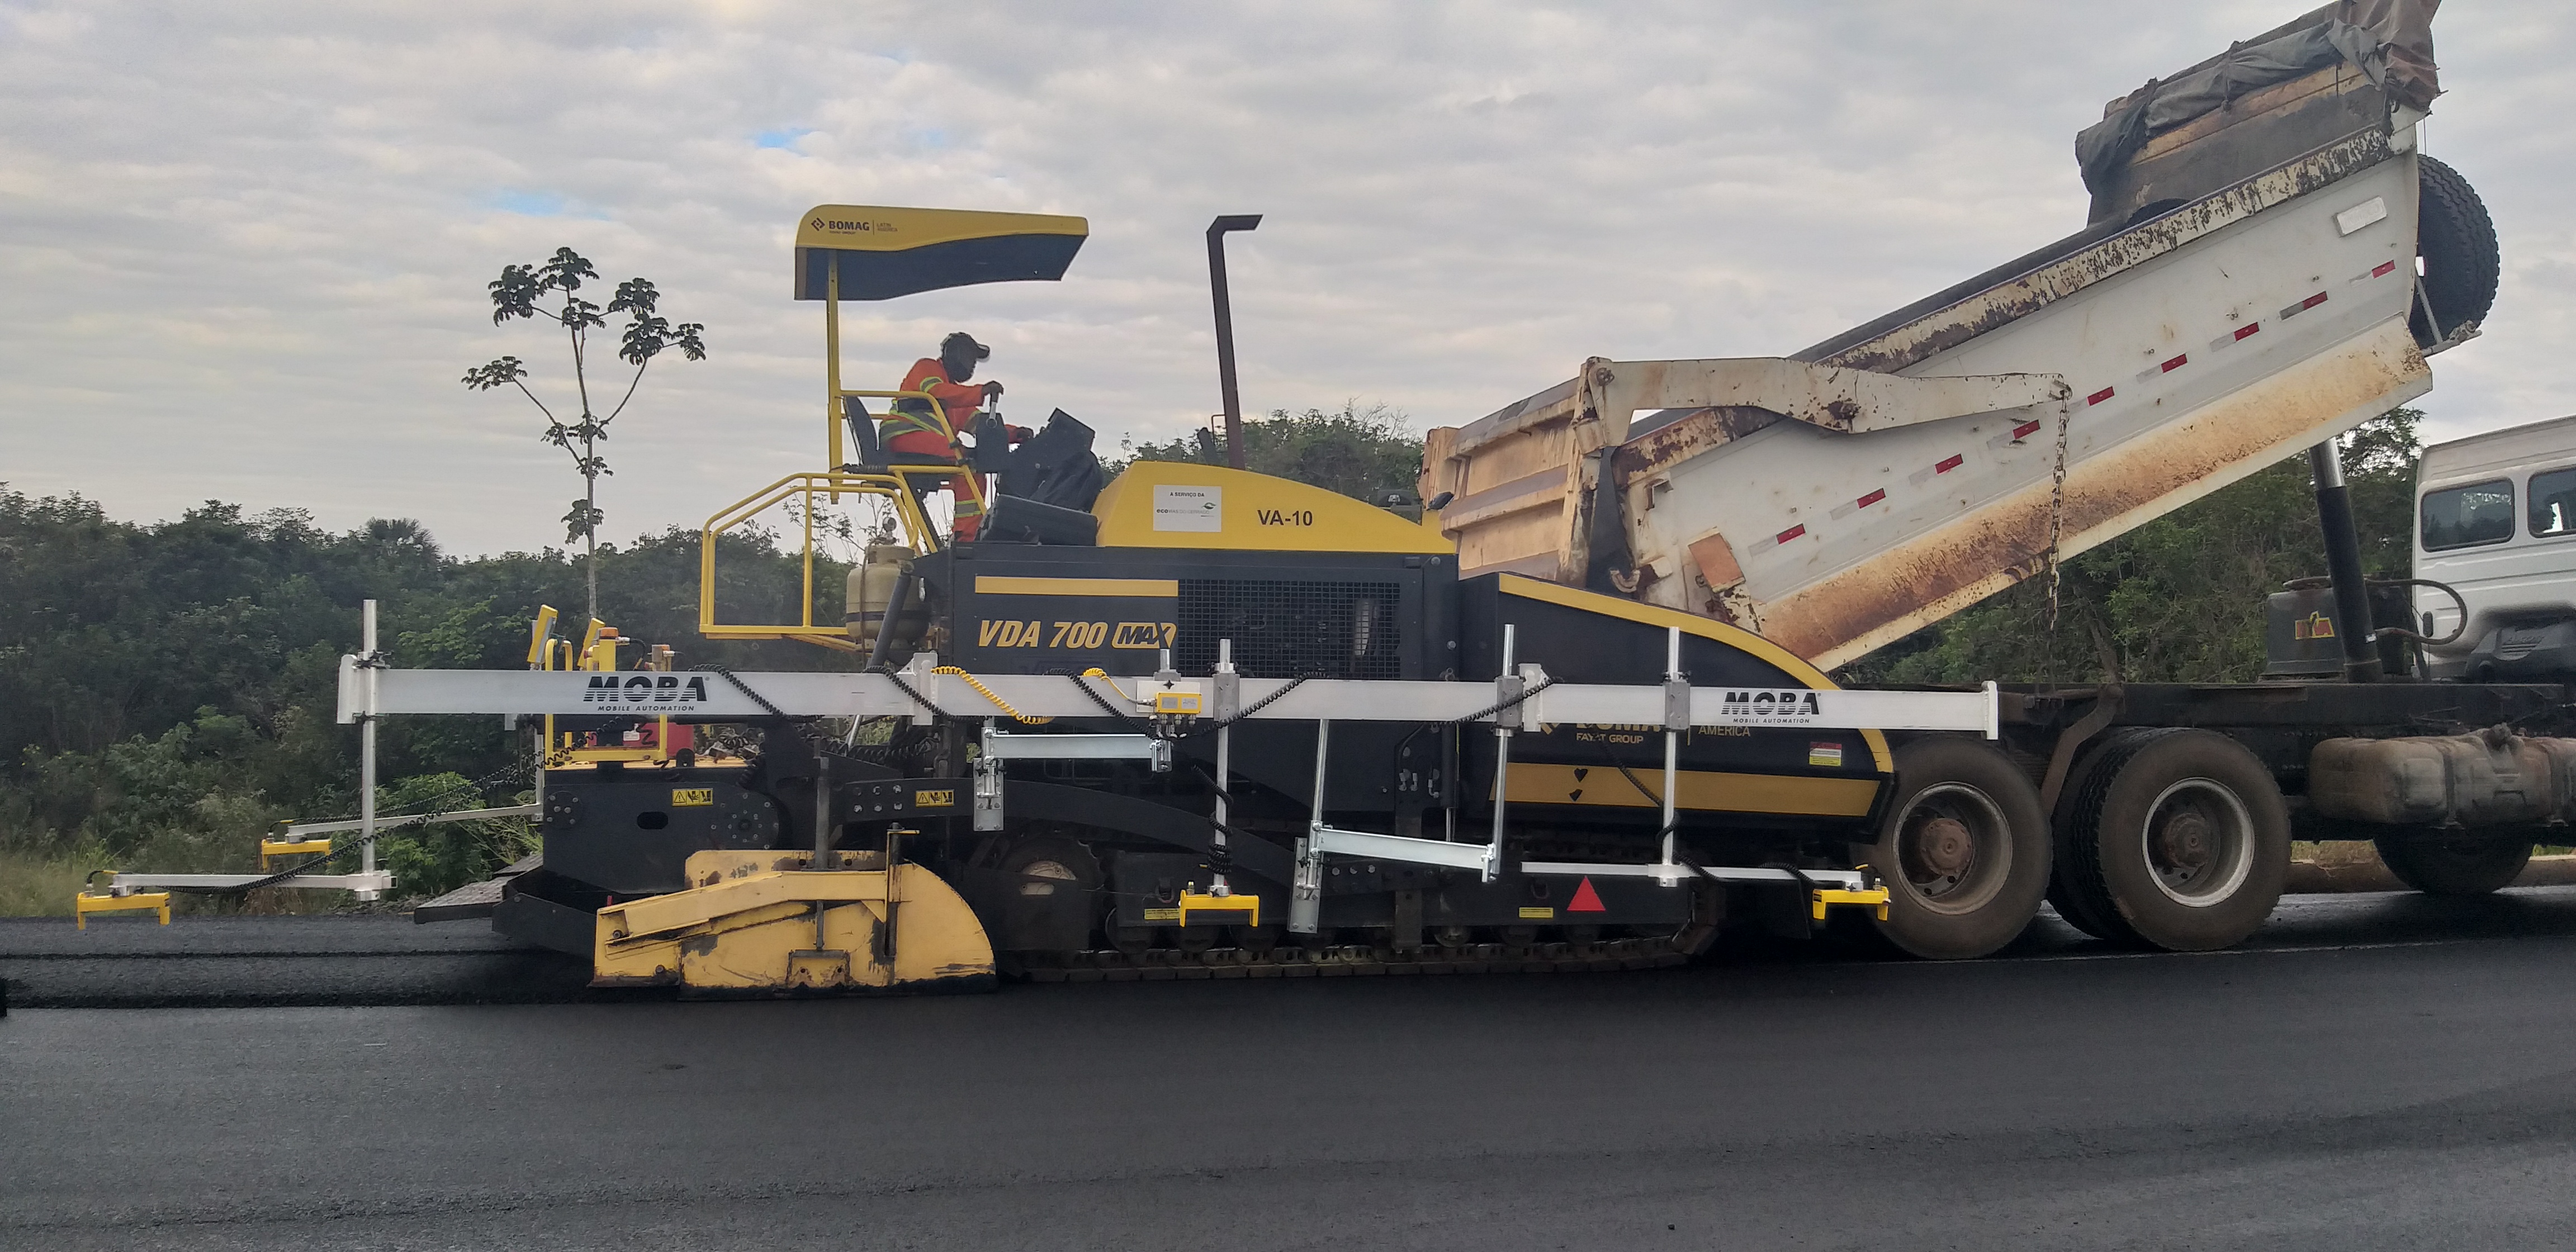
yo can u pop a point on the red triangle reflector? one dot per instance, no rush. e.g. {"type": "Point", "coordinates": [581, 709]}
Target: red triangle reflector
{"type": "Point", "coordinates": [1585, 900]}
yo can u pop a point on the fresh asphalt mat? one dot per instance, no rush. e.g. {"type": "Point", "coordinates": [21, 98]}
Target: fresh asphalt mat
{"type": "Point", "coordinates": [2377, 1072]}
{"type": "Point", "coordinates": [130, 961]}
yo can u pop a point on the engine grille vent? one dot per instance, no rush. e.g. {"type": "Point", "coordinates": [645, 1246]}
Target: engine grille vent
{"type": "Point", "coordinates": [1284, 629]}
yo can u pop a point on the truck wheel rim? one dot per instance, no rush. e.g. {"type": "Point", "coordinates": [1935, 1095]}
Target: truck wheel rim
{"type": "Point", "coordinates": [1953, 848]}
{"type": "Point", "coordinates": [2198, 843]}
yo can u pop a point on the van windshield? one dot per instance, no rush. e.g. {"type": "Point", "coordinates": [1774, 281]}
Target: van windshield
{"type": "Point", "coordinates": [2553, 502]}
{"type": "Point", "coordinates": [2458, 517]}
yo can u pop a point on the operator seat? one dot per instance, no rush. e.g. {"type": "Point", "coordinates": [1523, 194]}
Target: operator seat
{"type": "Point", "coordinates": [863, 442]}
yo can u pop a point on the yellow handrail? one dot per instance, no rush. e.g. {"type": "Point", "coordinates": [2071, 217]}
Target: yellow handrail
{"type": "Point", "coordinates": [893, 483]}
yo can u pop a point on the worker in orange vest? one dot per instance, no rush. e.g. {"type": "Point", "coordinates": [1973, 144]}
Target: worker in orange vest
{"type": "Point", "coordinates": [912, 427]}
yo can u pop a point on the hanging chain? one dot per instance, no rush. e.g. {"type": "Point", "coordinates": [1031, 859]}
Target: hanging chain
{"type": "Point", "coordinates": [2057, 515]}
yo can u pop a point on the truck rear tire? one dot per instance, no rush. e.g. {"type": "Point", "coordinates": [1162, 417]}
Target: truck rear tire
{"type": "Point", "coordinates": [2174, 839]}
{"type": "Point", "coordinates": [2457, 242]}
{"type": "Point", "coordinates": [2453, 867]}
{"type": "Point", "coordinates": [1964, 851]}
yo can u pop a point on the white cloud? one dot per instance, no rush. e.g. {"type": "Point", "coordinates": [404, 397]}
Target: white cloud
{"type": "Point", "coordinates": [242, 247]}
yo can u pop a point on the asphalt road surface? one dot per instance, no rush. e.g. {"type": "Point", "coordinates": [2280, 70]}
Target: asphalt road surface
{"type": "Point", "coordinates": [2374, 1072]}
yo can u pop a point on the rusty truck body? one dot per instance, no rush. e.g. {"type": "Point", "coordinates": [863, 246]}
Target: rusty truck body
{"type": "Point", "coordinates": [2248, 288]}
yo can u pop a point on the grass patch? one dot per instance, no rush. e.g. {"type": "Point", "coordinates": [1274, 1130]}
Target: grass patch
{"type": "Point", "coordinates": [42, 884]}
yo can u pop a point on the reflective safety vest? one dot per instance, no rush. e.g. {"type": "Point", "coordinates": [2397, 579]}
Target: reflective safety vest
{"type": "Point", "coordinates": [956, 407]}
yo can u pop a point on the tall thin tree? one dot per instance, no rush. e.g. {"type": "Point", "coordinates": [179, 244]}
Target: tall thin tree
{"type": "Point", "coordinates": [518, 293]}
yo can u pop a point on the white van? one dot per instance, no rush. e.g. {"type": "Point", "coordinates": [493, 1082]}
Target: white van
{"type": "Point", "coordinates": [2495, 517]}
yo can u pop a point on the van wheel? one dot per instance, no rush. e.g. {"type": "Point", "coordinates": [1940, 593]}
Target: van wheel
{"type": "Point", "coordinates": [2453, 867]}
{"type": "Point", "coordinates": [2175, 839]}
{"type": "Point", "coordinates": [1964, 852]}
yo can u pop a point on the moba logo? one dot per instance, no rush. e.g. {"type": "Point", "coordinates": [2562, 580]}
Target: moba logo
{"type": "Point", "coordinates": [1793, 702]}
{"type": "Point", "coordinates": [662, 689]}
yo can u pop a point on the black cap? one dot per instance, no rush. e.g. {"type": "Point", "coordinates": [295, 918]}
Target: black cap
{"type": "Point", "coordinates": [960, 340]}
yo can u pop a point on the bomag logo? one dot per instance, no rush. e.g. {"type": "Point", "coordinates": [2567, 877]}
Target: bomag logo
{"type": "Point", "coordinates": [654, 690]}
{"type": "Point", "coordinates": [874, 228]}
{"type": "Point", "coordinates": [1791, 704]}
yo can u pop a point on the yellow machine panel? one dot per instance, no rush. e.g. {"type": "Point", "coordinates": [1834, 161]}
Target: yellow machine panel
{"type": "Point", "coordinates": [1182, 504]}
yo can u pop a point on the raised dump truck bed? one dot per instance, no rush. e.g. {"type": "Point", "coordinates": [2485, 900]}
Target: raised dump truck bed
{"type": "Point", "coordinates": [1839, 498]}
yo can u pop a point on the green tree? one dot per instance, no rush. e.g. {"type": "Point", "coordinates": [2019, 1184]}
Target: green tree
{"type": "Point", "coordinates": [168, 690]}
{"type": "Point", "coordinates": [518, 292]}
{"type": "Point", "coordinates": [1364, 453]}
{"type": "Point", "coordinates": [2180, 599]}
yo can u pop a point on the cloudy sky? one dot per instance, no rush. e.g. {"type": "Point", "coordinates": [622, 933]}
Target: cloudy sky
{"type": "Point", "coordinates": [243, 246]}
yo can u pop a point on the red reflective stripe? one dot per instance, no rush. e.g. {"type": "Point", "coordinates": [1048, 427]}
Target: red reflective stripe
{"type": "Point", "coordinates": [1954, 462]}
{"type": "Point", "coordinates": [2177, 363]}
{"type": "Point", "coordinates": [1791, 533]}
{"type": "Point", "coordinates": [1873, 497]}
{"type": "Point", "coordinates": [2313, 301]}
{"type": "Point", "coordinates": [2025, 430]}
{"type": "Point", "coordinates": [2383, 269]}
{"type": "Point", "coordinates": [2098, 397]}
{"type": "Point", "coordinates": [2248, 328]}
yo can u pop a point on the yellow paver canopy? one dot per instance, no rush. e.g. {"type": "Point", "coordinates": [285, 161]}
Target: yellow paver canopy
{"type": "Point", "coordinates": [881, 253]}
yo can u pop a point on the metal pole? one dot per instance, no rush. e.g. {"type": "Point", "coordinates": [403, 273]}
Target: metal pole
{"type": "Point", "coordinates": [1224, 759]}
{"type": "Point", "coordinates": [2343, 564]}
{"type": "Point", "coordinates": [1323, 739]}
{"type": "Point", "coordinates": [1216, 233]}
{"type": "Point", "coordinates": [367, 745]}
{"type": "Point", "coordinates": [833, 406]}
{"type": "Point", "coordinates": [1306, 894]}
{"type": "Point", "coordinates": [1502, 764]}
{"type": "Point", "coordinates": [1672, 740]}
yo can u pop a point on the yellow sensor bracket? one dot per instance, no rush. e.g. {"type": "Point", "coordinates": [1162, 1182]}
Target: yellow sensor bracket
{"type": "Point", "coordinates": [85, 904]}
{"type": "Point", "coordinates": [1867, 897]}
{"type": "Point", "coordinates": [541, 628]}
{"type": "Point", "coordinates": [1217, 910]}
{"type": "Point", "coordinates": [292, 847]}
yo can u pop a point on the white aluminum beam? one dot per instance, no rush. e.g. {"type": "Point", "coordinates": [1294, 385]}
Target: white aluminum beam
{"type": "Point", "coordinates": [127, 884]}
{"type": "Point", "coordinates": [1372, 847]}
{"type": "Point", "coordinates": [1845, 879]}
{"type": "Point", "coordinates": [1070, 747]}
{"type": "Point", "coordinates": [462, 815]}
{"type": "Point", "coordinates": [708, 696]}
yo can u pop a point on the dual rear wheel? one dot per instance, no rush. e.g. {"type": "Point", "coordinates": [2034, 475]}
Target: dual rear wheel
{"type": "Point", "coordinates": [2173, 839]}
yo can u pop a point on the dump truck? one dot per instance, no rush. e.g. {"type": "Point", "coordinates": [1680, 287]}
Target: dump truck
{"type": "Point", "coordinates": [1574, 712]}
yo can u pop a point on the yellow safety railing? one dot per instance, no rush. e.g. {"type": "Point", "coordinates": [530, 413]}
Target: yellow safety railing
{"type": "Point", "coordinates": [893, 483]}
